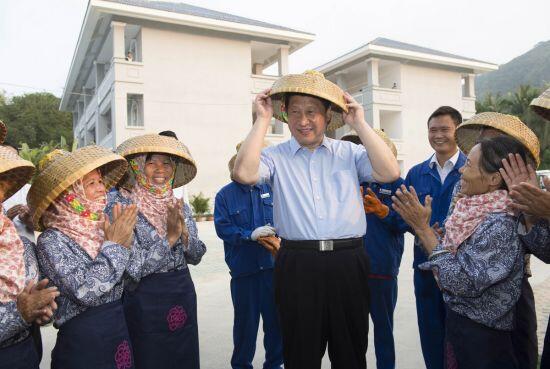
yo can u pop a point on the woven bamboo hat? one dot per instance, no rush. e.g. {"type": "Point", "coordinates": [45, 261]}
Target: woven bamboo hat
{"type": "Point", "coordinates": [353, 137]}
{"type": "Point", "coordinates": [541, 105]}
{"type": "Point", "coordinates": [231, 162]}
{"type": "Point", "coordinates": [3, 132]}
{"type": "Point", "coordinates": [310, 83]}
{"type": "Point", "coordinates": [14, 170]}
{"type": "Point", "coordinates": [186, 169]}
{"type": "Point", "coordinates": [467, 133]}
{"type": "Point", "coordinates": [60, 169]}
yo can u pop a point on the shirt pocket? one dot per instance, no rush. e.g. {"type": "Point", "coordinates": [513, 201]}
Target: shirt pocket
{"type": "Point", "coordinates": [268, 210]}
{"type": "Point", "coordinates": [345, 185]}
{"type": "Point", "coordinates": [240, 217]}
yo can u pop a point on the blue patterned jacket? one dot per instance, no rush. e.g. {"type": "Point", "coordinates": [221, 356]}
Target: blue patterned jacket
{"type": "Point", "coordinates": [482, 281]}
{"type": "Point", "coordinates": [13, 329]}
{"type": "Point", "coordinates": [146, 239]}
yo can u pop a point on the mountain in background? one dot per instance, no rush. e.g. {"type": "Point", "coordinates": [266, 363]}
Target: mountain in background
{"type": "Point", "coordinates": [531, 68]}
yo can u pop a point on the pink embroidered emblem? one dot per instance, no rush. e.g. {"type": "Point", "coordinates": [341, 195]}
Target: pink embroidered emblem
{"type": "Point", "coordinates": [451, 362]}
{"type": "Point", "coordinates": [177, 316]}
{"type": "Point", "coordinates": [123, 356]}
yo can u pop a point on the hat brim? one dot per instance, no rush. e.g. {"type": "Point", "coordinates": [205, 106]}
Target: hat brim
{"type": "Point", "coordinates": [467, 134]}
{"type": "Point", "coordinates": [186, 169]}
{"type": "Point", "coordinates": [313, 84]}
{"type": "Point", "coordinates": [16, 172]}
{"type": "Point", "coordinates": [541, 105]}
{"type": "Point", "coordinates": [64, 171]}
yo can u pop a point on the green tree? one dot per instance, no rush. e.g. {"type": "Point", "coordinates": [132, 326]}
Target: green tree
{"type": "Point", "coordinates": [35, 154]}
{"type": "Point", "coordinates": [200, 204]}
{"type": "Point", "coordinates": [35, 119]}
{"type": "Point", "coordinates": [517, 104]}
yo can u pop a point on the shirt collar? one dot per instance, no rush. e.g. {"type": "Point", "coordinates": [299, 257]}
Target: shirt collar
{"type": "Point", "coordinates": [246, 188]}
{"type": "Point", "coordinates": [452, 161]}
{"type": "Point", "coordinates": [295, 146]}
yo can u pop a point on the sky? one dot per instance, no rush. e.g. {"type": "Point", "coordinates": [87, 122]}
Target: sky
{"type": "Point", "coordinates": [38, 37]}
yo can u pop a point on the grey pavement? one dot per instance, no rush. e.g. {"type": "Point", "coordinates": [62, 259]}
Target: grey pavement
{"type": "Point", "coordinates": [215, 310]}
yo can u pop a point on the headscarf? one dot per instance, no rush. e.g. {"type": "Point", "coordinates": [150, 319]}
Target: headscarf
{"type": "Point", "coordinates": [152, 200]}
{"type": "Point", "coordinates": [12, 260]}
{"type": "Point", "coordinates": [470, 212]}
{"type": "Point", "coordinates": [79, 218]}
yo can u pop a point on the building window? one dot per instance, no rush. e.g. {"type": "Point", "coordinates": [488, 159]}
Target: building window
{"type": "Point", "coordinates": [90, 136]}
{"type": "Point", "coordinates": [105, 125]}
{"type": "Point", "coordinates": [135, 110]}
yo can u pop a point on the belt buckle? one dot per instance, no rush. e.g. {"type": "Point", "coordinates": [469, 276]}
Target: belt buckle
{"type": "Point", "coordinates": [326, 245]}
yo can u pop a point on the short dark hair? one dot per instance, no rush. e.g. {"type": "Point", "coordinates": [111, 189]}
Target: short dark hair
{"type": "Point", "coordinates": [168, 134]}
{"type": "Point", "coordinates": [287, 97]}
{"type": "Point", "coordinates": [447, 110]}
{"type": "Point", "coordinates": [494, 149]}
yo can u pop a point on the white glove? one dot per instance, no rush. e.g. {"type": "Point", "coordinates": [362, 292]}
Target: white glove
{"type": "Point", "coordinates": [262, 231]}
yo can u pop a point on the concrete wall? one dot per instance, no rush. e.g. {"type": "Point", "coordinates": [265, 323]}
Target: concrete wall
{"type": "Point", "coordinates": [424, 90]}
{"type": "Point", "coordinates": [199, 87]}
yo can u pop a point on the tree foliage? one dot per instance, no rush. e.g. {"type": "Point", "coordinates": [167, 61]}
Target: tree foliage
{"type": "Point", "coordinates": [517, 103]}
{"type": "Point", "coordinates": [35, 119]}
{"type": "Point", "coordinates": [200, 204]}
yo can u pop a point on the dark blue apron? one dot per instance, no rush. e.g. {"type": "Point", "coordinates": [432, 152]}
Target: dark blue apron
{"type": "Point", "coordinates": [162, 320]}
{"type": "Point", "coordinates": [95, 339]}
{"type": "Point", "coordinates": [22, 355]}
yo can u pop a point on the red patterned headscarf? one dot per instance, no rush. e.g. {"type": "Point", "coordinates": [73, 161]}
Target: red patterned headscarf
{"type": "Point", "coordinates": [152, 200]}
{"type": "Point", "coordinates": [79, 218]}
{"type": "Point", "coordinates": [470, 212]}
{"type": "Point", "coordinates": [12, 260]}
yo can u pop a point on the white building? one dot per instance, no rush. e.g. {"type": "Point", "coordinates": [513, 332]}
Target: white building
{"type": "Point", "coordinates": [192, 70]}
{"type": "Point", "coordinates": [400, 85]}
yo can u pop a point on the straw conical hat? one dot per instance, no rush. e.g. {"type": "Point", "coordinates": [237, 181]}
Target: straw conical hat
{"type": "Point", "coordinates": [186, 169]}
{"type": "Point", "coordinates": [467, 133]}
{"type": "Point", "coordinates": [353, 137]}
{"type": "Point", "coordinates": [311, 83]}
{"type": "Point", "coordinates": [541, 105]}
{"type": "Point", "coordinates": [60, 169]}
{"type": "Point", "coordinates": [3, 132]}
{"type": "Point", "coordinates": [14, 171]}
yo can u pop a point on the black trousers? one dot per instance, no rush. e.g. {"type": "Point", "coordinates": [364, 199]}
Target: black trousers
{"type": "Point", "coordinates": [524, 335]}
{"type": "Point", "coordinates": [323, 297]}
{"type": "Point", "coordinates": [471, 345]}
{"type": "Point", "coordinates": [545, 358]}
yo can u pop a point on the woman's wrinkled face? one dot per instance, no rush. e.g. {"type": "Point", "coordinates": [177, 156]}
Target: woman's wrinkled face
{"type": "Point", "coordinates": [94, 188]}
{"type": "Point", "coordinates": [474, 180]}
{"type": "Point", "coordinates": [159, 169]}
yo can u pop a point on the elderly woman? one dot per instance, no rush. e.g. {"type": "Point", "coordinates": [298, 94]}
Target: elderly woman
{"type": "Point", "coordinates": [85, 255]}
{"type": "Point", "coordinates": [23, 299]}
{"type": "Point", "coordinates": [160, 305]}
{"type": "Point", "coordinates": [479, 261]}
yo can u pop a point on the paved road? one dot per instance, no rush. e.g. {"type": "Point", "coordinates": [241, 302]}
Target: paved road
{"type": "Point", "coordinates": [216, 311]}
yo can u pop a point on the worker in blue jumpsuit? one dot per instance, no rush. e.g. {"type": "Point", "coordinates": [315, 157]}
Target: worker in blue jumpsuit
{"type": "Point", "coordinates": [436, 177]}
{"type": "Point", "coordinates": [242, 214]}
{"type": "Point", "coordinates": [383, 242]}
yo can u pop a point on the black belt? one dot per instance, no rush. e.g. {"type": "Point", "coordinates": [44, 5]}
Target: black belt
{"type": "Point", "coordinates": [323, 245]}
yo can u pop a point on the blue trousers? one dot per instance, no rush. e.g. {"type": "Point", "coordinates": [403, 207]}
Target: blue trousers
{"type": "Point", "coordinates": [430, 311]}
{"type": "Point", "coordinates": [383, 294]}
{"type": "Point", "coordinates": [252, 296]}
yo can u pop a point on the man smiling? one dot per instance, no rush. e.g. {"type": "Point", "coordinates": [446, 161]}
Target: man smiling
{"type": "Point", "coordinates": [321, 284]}
{"type": "Point", "coordinates": [436, 177]}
